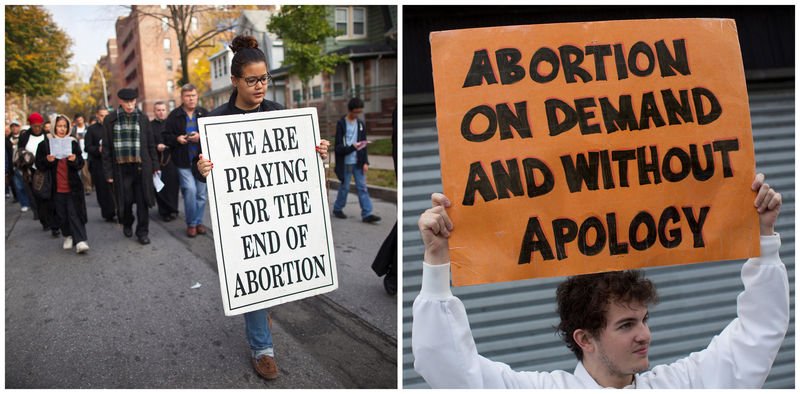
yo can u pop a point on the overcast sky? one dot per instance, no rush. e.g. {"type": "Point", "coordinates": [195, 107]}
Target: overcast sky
{"type": "Point", "coordinates": [90, 27]}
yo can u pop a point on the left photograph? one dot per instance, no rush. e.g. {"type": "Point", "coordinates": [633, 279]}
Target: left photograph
{"type": "Point", "coordinates": [177, 181]}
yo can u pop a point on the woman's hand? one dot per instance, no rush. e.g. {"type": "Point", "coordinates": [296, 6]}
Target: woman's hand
{"type": "Point", "coordinates": [71, 157]}
{"type": "Point", "coordinates": [204, 166]}
{"type": "Point", "coordinates": [322, 149]}
{"type": "Point", "coordinates": [51, 158]}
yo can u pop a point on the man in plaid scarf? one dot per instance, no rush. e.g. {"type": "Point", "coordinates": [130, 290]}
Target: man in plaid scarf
{"type": "Point", "coordinates": [129, 164]}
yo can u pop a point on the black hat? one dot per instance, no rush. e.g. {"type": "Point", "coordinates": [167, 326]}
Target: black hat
{"type": "Point", "coordinates": [126, 94]}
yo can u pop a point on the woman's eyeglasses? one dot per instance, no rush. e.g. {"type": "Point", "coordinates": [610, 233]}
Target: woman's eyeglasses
{"type": "Point", "coordinates": [251, 81]}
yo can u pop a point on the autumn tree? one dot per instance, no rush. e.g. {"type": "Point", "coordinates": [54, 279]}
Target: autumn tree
{"type": "Point", "coordinates": [179, 18]}
{"type": "Point", "coordinates": [37, 53]}
{"type": "Point", "coordinates": [304, 29]}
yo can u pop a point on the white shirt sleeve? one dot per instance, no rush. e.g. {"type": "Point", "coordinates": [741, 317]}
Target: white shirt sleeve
{"type": "Point", "coordinates": [742, 355]}
{"type": "Point", "coordinates": [445, 353]}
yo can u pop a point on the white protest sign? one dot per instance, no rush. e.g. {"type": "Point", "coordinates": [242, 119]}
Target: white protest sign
{"type": "Point", "coordinates": [269, 208]}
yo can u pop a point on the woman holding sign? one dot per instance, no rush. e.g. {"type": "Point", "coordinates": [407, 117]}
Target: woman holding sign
{"type": "Point", "coordinates": [249, 78]}
{"type": "Point", "coordinates": [66, 187]}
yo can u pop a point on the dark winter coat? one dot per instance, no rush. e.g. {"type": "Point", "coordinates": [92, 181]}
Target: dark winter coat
{"type": "Point", "coordinates": [73, 174]}
{"type": "Point", "coordinates": [149, 158]}
{"type": "Point", "coordinates": [92, 140]}
{"type": "Point", "coordinates": [175, 126]}
{"type": "Point", "coordinates": [343, 150]}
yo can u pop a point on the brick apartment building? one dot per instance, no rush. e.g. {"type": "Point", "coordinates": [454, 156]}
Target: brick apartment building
{"type": "Point", "coordinates": [144, 57]}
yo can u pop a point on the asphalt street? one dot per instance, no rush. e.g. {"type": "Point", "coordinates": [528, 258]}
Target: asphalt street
{"type": "Point", "coordinates": [126, 316]}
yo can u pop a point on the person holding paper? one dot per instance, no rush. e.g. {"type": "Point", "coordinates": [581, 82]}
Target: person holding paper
{"type": "Point", "coordinates": [166, 198]}
{"type": "Point", "coordinates": [249, 77]}
{"type": "Point", "coordinates": [604, 322]}
{"type": "Point", "coordinates": [351, 159]}
{"type": "Point", "coordinates": [65, 184]}
{"type": "Point", "coordinates": [129, 162]}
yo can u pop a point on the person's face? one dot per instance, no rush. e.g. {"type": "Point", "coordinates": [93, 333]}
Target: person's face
{"type": "Point", "coordinates": [128, 105]}
{"type": "Point", "coordinates": [623, 344]}
{"type": "Point", "coordinates": [47, 127]}
{"type": "Point", "coordinates": [61, 128]}
{"type": "Point", "coordinates": [160, 111]}
{"type": "Point", "coordinates": [101, 114]}
{"type": "Point", "coordinates": [36, 128]}
{"type": "Point", "coordinates": [189, 99]}
{"type": "Point", "coordinates": [354, 113]}
{"type": "Point", "coordinates": [15, 129]}
{"type": "Point", "coordinates": [251, 95]}
{"type": "Point", "coordinates": [79, 121]}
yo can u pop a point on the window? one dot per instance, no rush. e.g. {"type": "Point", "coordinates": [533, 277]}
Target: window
{"type": "Point", "coordinates": [338, 89]}
{"type": "Point", "coordinates": [296, 95]}
{"type": "Point", "coordinates": [164, 23]}
{"type": "Point", "coordinates": [170, 86]}
{"type": "Point", "coordinates": [169, 64]}
{"type": "Point", "coordinates": [166, 44]}
{"type": "Point", "coordinates": [341, 20]}
{"type": "Point", "coordinates": [359, 16]}
{"type": "Point", "coordinates": [316, 91]}
{"type": "Point", "coordinates": [171, 105]}
{"type": "Point", "coordinates": [351, 22]}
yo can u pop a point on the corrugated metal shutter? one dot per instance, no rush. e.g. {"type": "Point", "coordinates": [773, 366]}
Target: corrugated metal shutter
{"type": "Point", "coordinates": [513, 322]}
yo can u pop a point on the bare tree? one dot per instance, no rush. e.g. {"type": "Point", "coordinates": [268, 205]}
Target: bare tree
{"type": "Point", "coordinates": [180, 18]}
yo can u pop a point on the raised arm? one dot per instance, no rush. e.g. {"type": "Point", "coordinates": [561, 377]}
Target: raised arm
{"type": "Point", "coordinates": [742, 355]}
{"type": "Point", "coordinates": [444, 351]}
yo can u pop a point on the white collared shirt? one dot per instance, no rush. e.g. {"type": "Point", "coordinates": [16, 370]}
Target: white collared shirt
{"type": "Point", "coordinates": [739, 357]}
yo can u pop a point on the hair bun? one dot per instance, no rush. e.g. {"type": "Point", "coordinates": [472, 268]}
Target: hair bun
{"type": "Point", "coordinates": [243, 42]}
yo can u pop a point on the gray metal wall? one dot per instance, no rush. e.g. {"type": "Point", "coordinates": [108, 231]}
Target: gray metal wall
{"type": "Point", "coordinates": [513, 322]}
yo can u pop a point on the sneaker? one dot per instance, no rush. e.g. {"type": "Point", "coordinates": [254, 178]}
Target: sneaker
{"type": "Point", "coordinates": [371, 219]}
{"type": "Point", "coordinates": [200, 229]}
{"type": "Point", "coordinates": [24, 209]}
{"type": "Point", "coordinates": [339, 214]}
{"type": "Point", "coordinates": [67, 243]}
{"type": "Point", "coordinates": [81, 247]}
{"type": "Point", "coordinates": [265, 367]}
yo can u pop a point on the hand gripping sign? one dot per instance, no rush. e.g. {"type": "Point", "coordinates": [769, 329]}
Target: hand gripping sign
{"type": "Point", "coordinates": [269, 208]}
{"type": "Point", "coordinates": [587, 147]}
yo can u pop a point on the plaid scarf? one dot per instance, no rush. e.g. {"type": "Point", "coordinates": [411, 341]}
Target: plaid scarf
{"type": "Point", "coordinates": [126, 137]}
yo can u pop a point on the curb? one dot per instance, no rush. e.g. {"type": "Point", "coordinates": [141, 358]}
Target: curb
{"type": "Point", "coordinates": [384, 193]}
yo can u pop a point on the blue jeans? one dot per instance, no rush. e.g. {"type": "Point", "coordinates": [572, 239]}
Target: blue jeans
{"type": "Point", "coordinates": [194, 197]}
{"type": "Point", "coordinates": [22, 197]}
{"type": "Point", "coordinates": [361, 188]}
{"type": "Point", "coordinates": [258, 333]}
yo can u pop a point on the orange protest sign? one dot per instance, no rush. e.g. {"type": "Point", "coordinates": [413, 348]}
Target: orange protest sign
{"type": "Point", "coordinates": [587, 147]}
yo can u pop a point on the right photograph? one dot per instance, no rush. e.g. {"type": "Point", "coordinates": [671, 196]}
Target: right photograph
{"type": "Point", "coordinates": [598, 197]}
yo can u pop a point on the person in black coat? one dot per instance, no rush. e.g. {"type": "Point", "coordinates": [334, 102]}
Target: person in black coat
{"type": "Point", "coordinates": [167, 198]}
{"type": "Point", "coordinates": [29, 141]}
{"type": "Point", "coordinates": [130, 165]}
{"type": "Point", "coordinates": [66, 187]}
{"type": "Point", "coordinates": [92, 144]}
